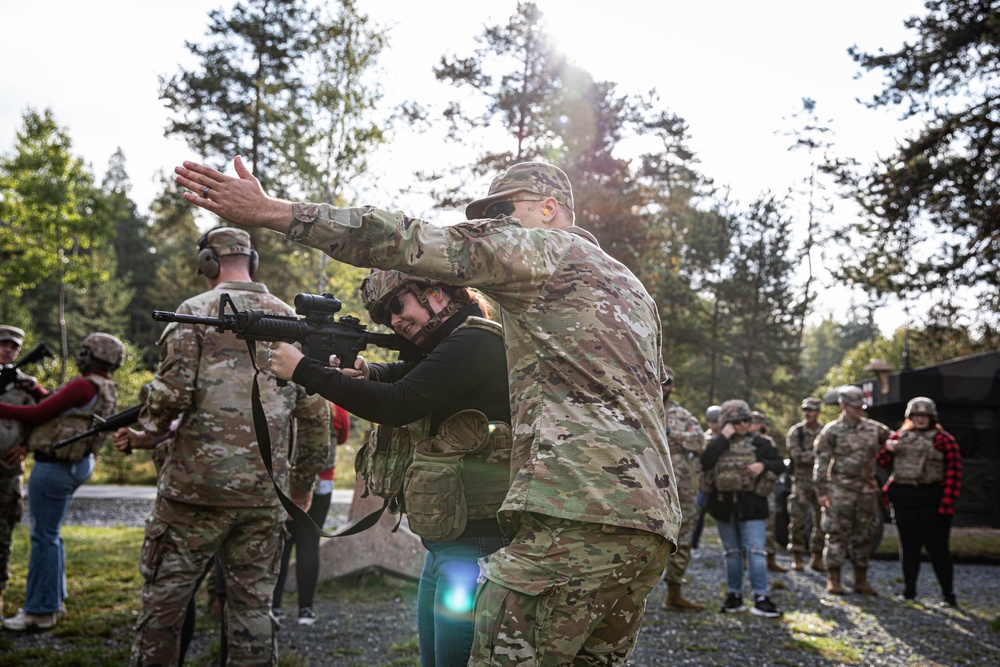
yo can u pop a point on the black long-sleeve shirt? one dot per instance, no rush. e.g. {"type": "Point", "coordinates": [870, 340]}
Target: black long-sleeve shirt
{"type": "Point", "coordinates": [467, 369]}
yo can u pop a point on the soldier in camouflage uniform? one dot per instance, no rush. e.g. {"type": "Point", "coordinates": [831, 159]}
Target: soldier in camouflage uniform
{"type": "Point", "coordinates": [686, 440]}
{"type": "Point", "coordinates": [700, 499]}
{"type": "Point", "coordinates": [592, 509]}
{"type": "Point", "coordinates": [58, 473]}
{"type": "Point", "coordinates": [799, 441]}
{"type": "Point", "coordinates": [846, 488]}
{"type": "Point", "coordinates": [13, 439]}
{"type": "Point", "coordinates": [214, 495]}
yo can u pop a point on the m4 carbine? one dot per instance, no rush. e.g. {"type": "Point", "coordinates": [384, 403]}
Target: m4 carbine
{"type": "Point", "coordinates": [102, 425]}
{"type": "Point", "coordinates": [10, 374]}
{"type": "Point", "coordinates": [317, 331]}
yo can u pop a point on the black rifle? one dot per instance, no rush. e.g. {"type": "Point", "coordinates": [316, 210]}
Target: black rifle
{"type": "Point", "coordinates": [317, 331]}
{"type": "Point", "coordinates": [11, 373]}
{"type": "Point", "coordinates": [102, 425]}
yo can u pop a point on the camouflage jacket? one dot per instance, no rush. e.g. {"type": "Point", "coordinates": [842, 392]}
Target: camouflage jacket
{"type": "Point", "coordinates": [845, 455]}
{"type": "Point", "coordinates": [13, 432]}
{"type": "Point", "coordinates": [802, 454]}
{"type": "Point", "coordinates": [206, 378]}
{"type": "Point", "coordinates": [583, 355]}
{"type": "Point", "coordinates": [684, 433]}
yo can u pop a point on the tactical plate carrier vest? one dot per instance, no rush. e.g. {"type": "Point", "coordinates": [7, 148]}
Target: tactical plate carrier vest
{"type": "Point", "coordinates": [76, 420]}
{"type": "Point", "coordinates": [917, 460]}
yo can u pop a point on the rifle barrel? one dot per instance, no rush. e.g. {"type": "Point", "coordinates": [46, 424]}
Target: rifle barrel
{"type": "Point", "coordinates": [167, 316]}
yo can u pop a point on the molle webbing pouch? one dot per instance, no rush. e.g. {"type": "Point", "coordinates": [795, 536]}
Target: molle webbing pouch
{"type": "Point", "coordinates": [763, 485]}
{"type": "Point", "coordinates": [384, 458]}
{"type": "Point", "coordinates": [730, 469]}
{"type": "Point", "coordinates": [433, 490]}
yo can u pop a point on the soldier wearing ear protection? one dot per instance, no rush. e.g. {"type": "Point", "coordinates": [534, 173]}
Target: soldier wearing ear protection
{"type": "Point", "coordinates": [214, 495]}
{"type": "Point", "coordinates": [220, 242]}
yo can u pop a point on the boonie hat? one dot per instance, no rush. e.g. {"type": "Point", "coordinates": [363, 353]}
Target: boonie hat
{"type": "Point", "coordinates": [11, 333]}
{"type": "Point", "coordinates": [538, 178]}
{"type": "Point", "coordinates": [758, 417]}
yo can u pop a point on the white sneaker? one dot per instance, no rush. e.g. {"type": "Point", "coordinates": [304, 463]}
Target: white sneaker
{"type": "Point", "coordinates": [307, 616]}
{"type": "Point", "coordinates": [25, 621]}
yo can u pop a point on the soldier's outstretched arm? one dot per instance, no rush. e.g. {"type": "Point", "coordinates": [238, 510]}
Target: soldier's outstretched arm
{"type": "Point", "coordinates": [240, 200]}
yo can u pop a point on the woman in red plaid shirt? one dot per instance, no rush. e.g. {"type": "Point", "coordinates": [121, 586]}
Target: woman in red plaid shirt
{"type": "Point", "coordinates": [926, 467]}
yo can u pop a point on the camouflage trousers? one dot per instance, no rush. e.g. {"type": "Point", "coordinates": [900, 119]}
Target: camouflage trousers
{"type": "Point", "coordinates": [11, 510]}
{"type": "Point", "coordinates": [770, 540]}
{"type": "Point", "coordinates": [679, 560]}
{"type": "Point", "coordinates": [564, 592]}
{"type": "Point", "coordinates": [180, 541]}
{"type": "Point", "coordinates": [802, 497]}
{"type": "Point", "coordinates": [847, 524]}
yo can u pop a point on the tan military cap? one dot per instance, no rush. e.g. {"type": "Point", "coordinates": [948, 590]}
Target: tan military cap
{"type": "Point", "coordinates": [11, 333]}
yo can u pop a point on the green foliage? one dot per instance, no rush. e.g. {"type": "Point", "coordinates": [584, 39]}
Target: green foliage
{"type": "Point", "coordinates": [945, 174]}
{"type": "Point", "coordinates": [49, 207]}
{"type": "Point", "coordinates": [103, 584]}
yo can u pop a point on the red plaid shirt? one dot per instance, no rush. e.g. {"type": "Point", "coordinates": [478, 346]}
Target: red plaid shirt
{"type": "Point", "coordinates": [945, 443]}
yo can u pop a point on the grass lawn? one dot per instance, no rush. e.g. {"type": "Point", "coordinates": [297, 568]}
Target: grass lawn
{"type": "Point", "coordinates": [102, 574]}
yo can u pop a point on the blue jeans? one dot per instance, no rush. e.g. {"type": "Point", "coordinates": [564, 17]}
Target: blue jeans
{"type": "Point", "coordinates": [50, 491]}
{"type": "Point", "coordinates": [445, 596]}
{"type": "Point", "coordinates": [736, 537]}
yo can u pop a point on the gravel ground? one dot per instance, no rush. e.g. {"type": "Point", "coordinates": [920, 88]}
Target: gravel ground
{"type": "Point", "coordinates": [816, 630]}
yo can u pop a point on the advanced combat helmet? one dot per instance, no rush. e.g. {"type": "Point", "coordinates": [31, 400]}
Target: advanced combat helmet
{"type": "Point", "coordinates": [379, 286]}
{"type": "Point", "coordinates": [921, 405]}
{"type": "Point", "coordinates": [712, 414]}
{"type": "Point", "coordinates": [733, 411]}
{"type": "Point", "coordinates": [104, 347]}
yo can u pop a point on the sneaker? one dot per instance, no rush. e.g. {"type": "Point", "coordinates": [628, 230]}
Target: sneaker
{"type": "Point", "coordinates": [949, 600]}
{"type": "Point", "coordinates": [763, 606]}
{"type": "Point", "coordinates": [733, 604]}
{"type": "Point", "coordinates": [307, 616]}
{"type": "Point", "coordinates": [277, 612]}
{"type": "Point", "coordinates": [25, 621]}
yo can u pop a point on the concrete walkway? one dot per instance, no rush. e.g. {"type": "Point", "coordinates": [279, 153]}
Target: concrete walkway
{"type": "Point", "coordinates": [131, 492]}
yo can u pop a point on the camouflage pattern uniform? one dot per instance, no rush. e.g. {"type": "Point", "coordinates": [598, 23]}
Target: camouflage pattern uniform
{"type": "Point", "coordinates": [845, 471]}
{"type": "Point", "coordinates": [214, 494]}
{"type": "Point", "coordinates": [800, 441]}
{"type": "Point", "coordinates": [685, 439]}
{"type": "Point", "coordinates": [593, 490]}
{"type": "Point", "coordinates": [12, 434]}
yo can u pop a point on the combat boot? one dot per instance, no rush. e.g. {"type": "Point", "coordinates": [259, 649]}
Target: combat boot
{"type": "Point", "coordinates": [773, 565]}
{"type": "Point", "coordinates": [833, 581]}
{"type": "Point", "coordinates": [677, 602]}
{"type": "Point", "coordinates": [861, 584]}
{"type": "Point", "coordinates": [816, 563]}
{"type": "Point", "coordinates": [797, 561]}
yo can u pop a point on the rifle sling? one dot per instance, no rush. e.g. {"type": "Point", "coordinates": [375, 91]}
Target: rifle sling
{"type": "Point", "coordinates": [298, 515]}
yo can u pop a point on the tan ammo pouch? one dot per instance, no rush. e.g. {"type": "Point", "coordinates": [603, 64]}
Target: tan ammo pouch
{"type": "Point", "coordinates": [433, 492]}
{"type": "Point", "coordinates": [706, 481]}
{"type": "Point", "coordinates": [385, 456]}
{"type": "Point", "coordinates": [763, 485]}
{"type": "Point", "coordinates": [730, 469]}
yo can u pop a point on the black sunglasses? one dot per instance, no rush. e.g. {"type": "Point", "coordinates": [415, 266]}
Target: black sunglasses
{"type": "Point", "coordinates": [503, 207]}
{"type": "Point", "coordinates": [394, 307]}
{"type": "Point", "coordinates": [745, 420]}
